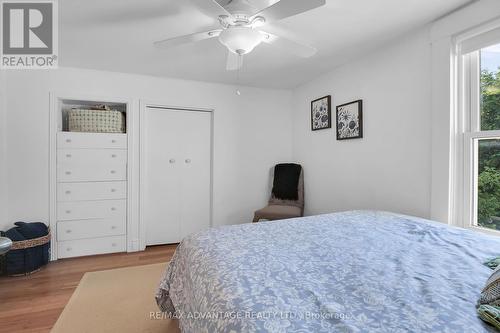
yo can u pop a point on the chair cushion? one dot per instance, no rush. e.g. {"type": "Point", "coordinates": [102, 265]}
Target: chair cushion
{"type": "Point", "coordinates": [278, 212]}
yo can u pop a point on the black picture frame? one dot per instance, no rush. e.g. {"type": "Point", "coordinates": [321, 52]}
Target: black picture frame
{"type": "Point", "coordinates": [317, 123]}
{"type": "Point", "coordinates": [349, 131]}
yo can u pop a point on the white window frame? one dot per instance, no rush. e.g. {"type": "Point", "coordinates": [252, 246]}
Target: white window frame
{"type": "Point", "coordinates": [468, 134]}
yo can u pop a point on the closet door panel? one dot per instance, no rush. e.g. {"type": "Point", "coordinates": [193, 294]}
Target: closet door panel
{"type": "Point", "coordinates": [196, 173]}
{"type": "Point", "coordinates": [162, 176]}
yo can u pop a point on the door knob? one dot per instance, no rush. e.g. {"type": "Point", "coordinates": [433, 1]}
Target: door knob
{"type": "Point", "coordinates": [172, 161]}
{"type": "Point", "coordinates": [188, 160]}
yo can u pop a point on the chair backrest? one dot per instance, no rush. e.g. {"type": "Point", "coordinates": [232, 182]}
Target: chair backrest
{"type": "Point", "coordinates": [299, 202]}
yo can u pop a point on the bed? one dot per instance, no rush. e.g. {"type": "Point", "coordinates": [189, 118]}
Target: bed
{"type": "Point", "coordinates": [357, 271]}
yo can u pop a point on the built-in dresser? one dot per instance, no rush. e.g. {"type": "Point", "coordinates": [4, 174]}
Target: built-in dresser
{"type": "Point", "coordinates": [91, 189]}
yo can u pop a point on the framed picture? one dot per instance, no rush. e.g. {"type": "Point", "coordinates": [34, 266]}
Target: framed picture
{"type": "Point", "coordinates": [321, 113]}
{"type": "Point", "coordinates": [350, 120]}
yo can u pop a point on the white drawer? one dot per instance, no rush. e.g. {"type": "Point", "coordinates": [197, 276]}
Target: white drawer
{"type": "Point", "coordinates": [91, 140]}
{"type": "Point", "coordinates": [73, 157]}
{"type": "Point", "coordinates": [80, 210]}
{"type": "Point", "coordinates": [82, 229]}
{"type": "Point", "coordinates": [89, 173]}
{"type": "Point", "coordinates": [86, 247]}
{"type": "Point", "coordinates": [91, 191]}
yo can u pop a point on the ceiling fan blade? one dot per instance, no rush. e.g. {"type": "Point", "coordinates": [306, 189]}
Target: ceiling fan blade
{"type": "Point", "coordinates": [176, 41]}
{"type": "Point", "coordinates": [286, 8]}
{"type": "Point", "coordinates": [301, 50]}
{"type": "Point", "coordinates": [234, 61]}
{"type": "Point", "coordinates": [212, 8]}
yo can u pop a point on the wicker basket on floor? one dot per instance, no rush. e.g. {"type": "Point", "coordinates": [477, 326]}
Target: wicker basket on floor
{"type": "Point", "coordinates": [27, 249]}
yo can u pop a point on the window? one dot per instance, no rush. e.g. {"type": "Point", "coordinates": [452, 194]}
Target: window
{"type": "Point", "coordinates": [490, 88]}
{"type": "Point", "coordinates": [481, 126]}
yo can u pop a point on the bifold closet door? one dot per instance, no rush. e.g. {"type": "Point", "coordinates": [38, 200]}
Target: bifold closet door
{"type": "Point", "coordinates": [176, 182]}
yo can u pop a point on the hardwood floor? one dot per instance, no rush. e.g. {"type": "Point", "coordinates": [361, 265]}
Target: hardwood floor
{"type": "Point", "coordinates": [33, 303]}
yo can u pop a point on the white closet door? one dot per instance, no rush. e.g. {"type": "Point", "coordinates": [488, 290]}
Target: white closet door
{"type": "Point", "coordinates": [162, 176]}
{"type": "Point", "coordinates": [195, 184]}
{"type": "Point", "coordinates": [177, 174]}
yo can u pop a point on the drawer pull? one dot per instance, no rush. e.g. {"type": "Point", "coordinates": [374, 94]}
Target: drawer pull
{"type": "Point", "coordinates": [188, 161]}
{"type": "Point", "coordinates": [68, 231]}
{"type": "Point", "coordinates": [113, 227]}
{"type": "Point", "coordinates": [68, 155]}
{"type": "Point", "coordinates": [68, 192]}
{"type": "Point", "coordinates": [68, 249]}
{"type": "Point", "coordinates": [113, 208]}
{"type": "Point", "coordinates": [113, 141]}
{"type": "Point", "coordinates": [68, 172]}
{"type": "Point", "coordinates": [113, 190]}
{"type": "Point", "coordinates": [113, 155]}
{"type": "Point", "coordinates": [68, 212]}
{"type": "Point", "coordinates": [113, 172]}
{"type": "Point", "coordinates": [113, 244]}
{"type": "Point", "coordinates": [68, 140]}
{"type": "Point", "coordinates": [172, 161]}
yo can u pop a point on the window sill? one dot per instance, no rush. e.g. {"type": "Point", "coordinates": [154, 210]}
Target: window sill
{"type": "Point", "coordinates": [485, 231]}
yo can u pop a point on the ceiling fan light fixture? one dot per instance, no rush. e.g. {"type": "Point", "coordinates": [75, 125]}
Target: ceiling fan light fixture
{"type": "Point", "coordinates": [240, 40]}
{"type": "Point", "coordinates": [258, 22]}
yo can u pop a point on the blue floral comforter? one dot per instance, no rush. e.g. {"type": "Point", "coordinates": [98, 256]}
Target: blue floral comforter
{"type": "Point", "coordinates": [346, 272]}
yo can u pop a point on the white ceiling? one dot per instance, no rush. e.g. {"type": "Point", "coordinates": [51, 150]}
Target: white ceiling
{"type": "Point", "coordinates": [118, 36]}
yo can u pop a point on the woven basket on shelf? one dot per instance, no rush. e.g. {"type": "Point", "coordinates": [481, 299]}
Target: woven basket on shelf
{"type": "Point", "coordinates": [96, 121]}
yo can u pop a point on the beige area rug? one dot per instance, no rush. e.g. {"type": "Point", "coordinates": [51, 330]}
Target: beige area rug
{"type": "Point", "coordinates": [117, 300]}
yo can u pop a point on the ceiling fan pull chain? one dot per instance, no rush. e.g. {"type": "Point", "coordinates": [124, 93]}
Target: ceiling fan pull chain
{"type": "Point", "coordinates": [240, 64]}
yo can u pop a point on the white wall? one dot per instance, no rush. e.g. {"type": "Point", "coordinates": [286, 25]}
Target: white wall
{"type": "Point", "coordinates": [389, 169]}
{"type": "Point", "coordinates": [252, 133]}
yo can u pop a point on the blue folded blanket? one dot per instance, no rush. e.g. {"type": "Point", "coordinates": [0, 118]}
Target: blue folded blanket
{"type": "Point", "coordinates": [32, 230]}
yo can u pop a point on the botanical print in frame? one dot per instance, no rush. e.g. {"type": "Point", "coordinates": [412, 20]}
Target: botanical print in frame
{"type": "Point", "coordinates": [321, 113]}
{"type": "Point", "coordinates": [350, 120]}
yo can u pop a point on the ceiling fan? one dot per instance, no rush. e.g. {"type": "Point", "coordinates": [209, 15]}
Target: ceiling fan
{"type": "Point", "coordinates": [240, 23]}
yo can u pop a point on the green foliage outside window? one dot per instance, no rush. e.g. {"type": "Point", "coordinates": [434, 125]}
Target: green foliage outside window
{"type": "Point", "coordinates": [489, 153]}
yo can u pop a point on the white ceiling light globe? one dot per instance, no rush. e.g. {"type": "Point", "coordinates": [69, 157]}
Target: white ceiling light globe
{"type": "Point", "coordinates": [240, 40]}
